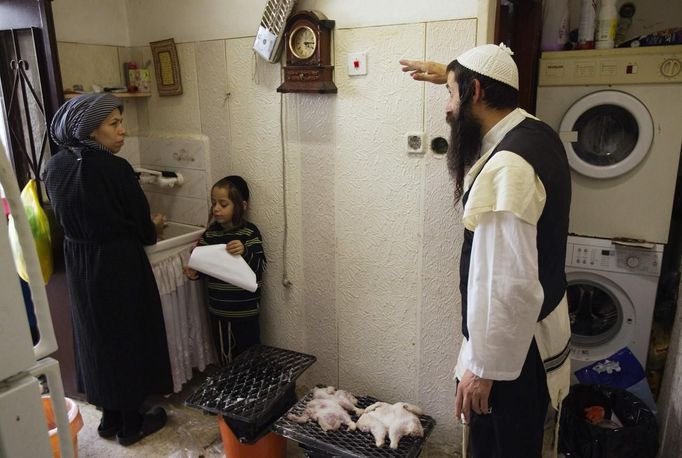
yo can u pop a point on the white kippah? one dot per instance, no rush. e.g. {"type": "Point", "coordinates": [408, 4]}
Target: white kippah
{"type": "Point", "coordinates": [493, 61]}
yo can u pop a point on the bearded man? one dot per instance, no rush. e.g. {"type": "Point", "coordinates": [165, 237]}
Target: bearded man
{"type": "Point", "coordinates": [511, 174]}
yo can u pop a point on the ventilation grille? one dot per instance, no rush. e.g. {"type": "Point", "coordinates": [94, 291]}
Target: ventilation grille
{"type": "Point", "coordinates": [271, 30]}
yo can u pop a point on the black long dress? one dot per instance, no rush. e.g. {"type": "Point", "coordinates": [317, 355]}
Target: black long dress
{"type": "Point", "coordinates": [119, 333]}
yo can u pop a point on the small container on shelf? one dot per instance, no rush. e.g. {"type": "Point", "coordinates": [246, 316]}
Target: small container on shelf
{"type": "Point", "coordinates": [607, 23]}
{"type": "Point", "coordinates": [555, 28]}
{"type": "Point", "coordinates": [588, 15]}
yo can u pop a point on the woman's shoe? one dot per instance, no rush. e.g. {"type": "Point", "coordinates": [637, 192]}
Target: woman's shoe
{"type": "Point", "coordinates": [152, 421]}
{"type": "Point", "coordinates": [110, 424]}
{"type": "Point", "coordinates": [109, 432]}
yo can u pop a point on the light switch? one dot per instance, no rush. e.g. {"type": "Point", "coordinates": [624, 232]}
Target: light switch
{"type": "Point", "coordinates": [357, 63]}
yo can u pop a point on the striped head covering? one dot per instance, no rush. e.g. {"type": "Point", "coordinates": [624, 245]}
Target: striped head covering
{"type": "Point", "coordinates": [79, 117]}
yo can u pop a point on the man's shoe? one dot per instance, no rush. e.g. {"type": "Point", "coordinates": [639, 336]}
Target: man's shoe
{"type": "Point", "coordinates": [152, 421]}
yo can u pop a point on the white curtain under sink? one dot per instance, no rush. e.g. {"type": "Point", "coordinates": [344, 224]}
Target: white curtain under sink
{"type": "Point", "coordinates": [186, 318]}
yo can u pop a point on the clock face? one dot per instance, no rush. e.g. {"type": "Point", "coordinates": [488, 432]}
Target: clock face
{"type": "Point", "coordinates": [303, 42]}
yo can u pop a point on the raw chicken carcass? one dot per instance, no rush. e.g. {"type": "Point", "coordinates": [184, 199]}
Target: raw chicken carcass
{"type": "Point", "coordinates": [328, 408]}
{"type": "Point", "coordinates": [397, 419]}
{"type": "Point", "coordinates": [343, 397]}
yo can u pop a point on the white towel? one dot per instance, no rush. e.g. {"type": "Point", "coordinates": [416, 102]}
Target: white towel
{"type": "Point", "coordinates": [215, 261]}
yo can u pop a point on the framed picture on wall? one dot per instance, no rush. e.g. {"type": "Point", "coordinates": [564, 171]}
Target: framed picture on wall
{"type": "Point", "coordinates": [166, 67]}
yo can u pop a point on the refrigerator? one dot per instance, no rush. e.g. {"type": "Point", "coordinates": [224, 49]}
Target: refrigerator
{"type": "Point", "coordinates": [23, 426]}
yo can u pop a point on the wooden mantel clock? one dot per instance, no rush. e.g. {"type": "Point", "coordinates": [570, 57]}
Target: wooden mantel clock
{"type": "Point", "coordinates": [308, 43]}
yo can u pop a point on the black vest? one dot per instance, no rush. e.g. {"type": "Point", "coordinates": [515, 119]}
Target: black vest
{"type": "Point", "coordinates": [540, 146]}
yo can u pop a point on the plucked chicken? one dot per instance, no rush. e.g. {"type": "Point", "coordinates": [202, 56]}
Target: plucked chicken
{"type": "Point", "coordinates": [398, 420]}
{"type": "Point", "coordinates": [329, 408]}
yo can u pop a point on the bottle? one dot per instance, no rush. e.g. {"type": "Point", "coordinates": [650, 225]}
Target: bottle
{"type": "Point", "coordinates": [133, 76]}
{"type": "Point", "coordinates": [588, 14]}
{"type": "Point", "coordinates": [554, 25]}
{"type": "Point", "coordinates": [626, 11]}
{"type": "Point", "coordinates": [607, 22]}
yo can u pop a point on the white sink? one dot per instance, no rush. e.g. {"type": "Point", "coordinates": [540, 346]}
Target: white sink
{"type": "Point", "coordinates": [176, 237]}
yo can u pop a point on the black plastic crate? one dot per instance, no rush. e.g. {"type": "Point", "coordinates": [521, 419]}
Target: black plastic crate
{"type": "Point", "coordinates": [343, 443]}
{"type": "Point", "coordinates": [251, 432]}
{"type": "Point", "coordinates": [253, 390]}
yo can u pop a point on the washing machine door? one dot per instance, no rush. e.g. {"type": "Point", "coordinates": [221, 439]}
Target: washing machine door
{"type": "Point", "coordinates": [602, 316]}
{"type": "Point", "coordinates": [606, 134]}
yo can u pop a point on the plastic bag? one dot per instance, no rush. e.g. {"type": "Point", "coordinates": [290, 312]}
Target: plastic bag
{"type": "Point", "coordinates": [580, 438]}
{"type": "Point", "coordinates": [40, 228]}
{"type": "Point", "coordinates": [620, 370]}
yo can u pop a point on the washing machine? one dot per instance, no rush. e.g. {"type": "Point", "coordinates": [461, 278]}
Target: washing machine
{"type": "Point", "coordinates": [611, 296]}
{"type": "Point", "coordinates": [618, 114]}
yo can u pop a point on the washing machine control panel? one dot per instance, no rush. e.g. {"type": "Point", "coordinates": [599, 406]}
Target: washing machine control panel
{"type": "Point", "coordinates": [614, 258]}
{"type": "Point", "coordinates": [653, 64]}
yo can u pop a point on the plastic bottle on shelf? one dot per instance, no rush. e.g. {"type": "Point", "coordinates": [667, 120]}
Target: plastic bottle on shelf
{"type": "Point", "coordinates": [588, 14]}
{"type": "Point", "coordinates": [625, 13]}
{"type": "Point", "coordinates": [554, 25]}
{"type": "Point", "coordinates": [607, 23]}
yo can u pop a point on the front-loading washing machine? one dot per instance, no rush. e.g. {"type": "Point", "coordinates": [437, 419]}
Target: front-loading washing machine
{"type": "Point", "coordinates": [611, 297]}
{"type": "Point", "coordinates": [618, 114]}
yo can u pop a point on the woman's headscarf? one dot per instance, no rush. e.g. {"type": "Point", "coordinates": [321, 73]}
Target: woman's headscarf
{"type": "Point", "coordinates": [79, 117]}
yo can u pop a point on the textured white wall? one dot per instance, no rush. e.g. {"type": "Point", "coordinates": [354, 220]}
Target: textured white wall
{"type": "Point", "coordinates": [203, 20]}
{"type": "Point", "coordinates": [378, 214]}
{"type": "Point", "coordinates": [440, 315]}
{"type": "Point", "coordinates": [101, 22]}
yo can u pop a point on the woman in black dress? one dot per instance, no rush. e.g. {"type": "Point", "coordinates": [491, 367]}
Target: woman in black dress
{"type": "Point", "coordinates": [119, 334]}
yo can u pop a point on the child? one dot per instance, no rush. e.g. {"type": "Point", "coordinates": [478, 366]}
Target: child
{"type": "Point", "coordinates": [233, 311]}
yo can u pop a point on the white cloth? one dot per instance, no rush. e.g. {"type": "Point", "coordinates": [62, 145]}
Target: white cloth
{"type": "Point", "coordinates": [507, 184]}
{"type": "Point", "coordinates": [185, 316]}
{"type": "Point", "coordinates": [504, 296]}
{"type": "Point", "coordinates": [552, 336]}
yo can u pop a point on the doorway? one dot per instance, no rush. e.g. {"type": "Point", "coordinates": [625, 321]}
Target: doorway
{"type": "Point", "coordinates": [30, 94]}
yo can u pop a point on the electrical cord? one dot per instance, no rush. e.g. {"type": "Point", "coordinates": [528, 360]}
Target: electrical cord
{"type": "Point", "coordinates": [285, 276]}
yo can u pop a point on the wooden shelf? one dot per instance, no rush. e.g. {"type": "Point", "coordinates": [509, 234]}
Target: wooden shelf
{"type": "Point", "coordinates": [122, 95]}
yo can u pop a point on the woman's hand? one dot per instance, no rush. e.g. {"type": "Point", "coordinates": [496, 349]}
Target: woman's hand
{"type": "Point", "coordinates": [422, 70]}
{"type": "Point", "coordinates": [160, 222]}
{"type": "Point", "coordinates": [190, 273]}
{"type": "Point", "coordinates": [235, 247]}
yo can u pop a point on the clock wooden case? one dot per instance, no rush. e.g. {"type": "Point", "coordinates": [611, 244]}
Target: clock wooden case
{"type": "Point", "coordinates": [307, 46]}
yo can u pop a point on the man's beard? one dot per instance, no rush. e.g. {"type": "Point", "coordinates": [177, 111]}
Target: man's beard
{"type": "Point", "coordinates": [465, 145]}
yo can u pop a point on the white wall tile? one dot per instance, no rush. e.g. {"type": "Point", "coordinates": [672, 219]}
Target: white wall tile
{"type": "Point", "coordinates": [131, 150]}
{"type": "Point", "coordinates": [176, 114]}
{"type": "Point", "coordinates": [194, 183]}
{"type": "Point", "coordinates": [174, 152]}
{"type": "Point", "coordinates": [88, 64]}
{"type": "Point", "coordinates": [214, 105]}
{"type": "Point", "coordinates": [177, 208]}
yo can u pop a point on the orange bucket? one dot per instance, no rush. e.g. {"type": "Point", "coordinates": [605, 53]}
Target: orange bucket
{"type": "Point", "coordinates": [75, 424]}
{"type": "Point", "coordinates": [270, 445]}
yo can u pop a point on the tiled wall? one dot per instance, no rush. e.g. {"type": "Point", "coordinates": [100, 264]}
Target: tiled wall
{"type": "Point", "coordinates": [187, 203]}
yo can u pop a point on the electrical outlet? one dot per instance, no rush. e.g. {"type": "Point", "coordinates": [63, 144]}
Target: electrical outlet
{"type": "Point", "coordinates": [415, 142]}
